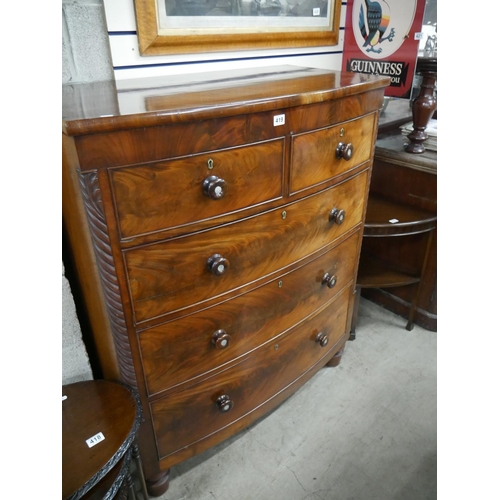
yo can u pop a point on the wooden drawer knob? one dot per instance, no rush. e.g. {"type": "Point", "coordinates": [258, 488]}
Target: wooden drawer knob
{"type": "Point", "coordinates": [217, 264]}
{"type": "Point", "coordinates": [221, 339]}
{"type": "Point", "coordinates": [214, 187]}
{"type": "Point", "coordinates": [329, 280]}
{"type": "Point", "coordinates": [224, 403]}
{"type": "Point", "coordinates": [344, 151]}
{"type": "Point", "coordinates": [337, 216]}
{"type": "Point", "coordinates": [322, 339]}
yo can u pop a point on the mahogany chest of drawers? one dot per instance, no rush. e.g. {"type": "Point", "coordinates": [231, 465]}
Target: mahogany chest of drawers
{"type": "Point", "coordinates": [216, 231]}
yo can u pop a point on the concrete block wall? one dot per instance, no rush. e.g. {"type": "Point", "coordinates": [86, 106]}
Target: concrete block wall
{"type": "Point", "coordinates": [86, 55]}
{"type": "Point", "coordinates": [75, 361]}
{"type": "Point", "coordinates": [85, 58]}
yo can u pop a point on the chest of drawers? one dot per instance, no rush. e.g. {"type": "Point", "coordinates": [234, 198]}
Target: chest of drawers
{"type": "Point", "coordinates": [215, 232]}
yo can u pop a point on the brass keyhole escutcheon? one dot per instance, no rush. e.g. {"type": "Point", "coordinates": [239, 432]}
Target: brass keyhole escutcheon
{"type": "Point", "coordinates": [276, 347]}
{"type": "Point", "coordinates": [210, 164]}
{"type": "Point", "coordinates": [280, 284]}
{"type": "Point", "coordinates": [283, 214]}
{"type": "Point", "coordinates": [342, 132]}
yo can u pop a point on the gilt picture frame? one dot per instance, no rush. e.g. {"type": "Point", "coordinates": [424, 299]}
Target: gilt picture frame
{"type": "Point", "coordinates": [193, 26]}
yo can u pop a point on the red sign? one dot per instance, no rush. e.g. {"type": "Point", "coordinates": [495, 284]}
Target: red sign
{"type": "Point", "coordinates": [382, 37]}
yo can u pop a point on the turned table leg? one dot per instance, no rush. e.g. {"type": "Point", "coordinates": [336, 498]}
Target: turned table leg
{"type": "Point", "coordinates": [354, 315]}
{"type": "Point", "coordinates": [137, 458]}
{"type": "Point", "coordinates": [130, 488]}
{"type": "Point", "coordinates": [423, 106]}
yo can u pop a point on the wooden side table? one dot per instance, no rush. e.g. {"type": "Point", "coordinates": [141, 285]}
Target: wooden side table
{"type": "Point", "coordinates": [100, 421]}
{"type": "Point", "coordinates": [383, 263]}
{"type": "Point", "coordinates": [410, 180]}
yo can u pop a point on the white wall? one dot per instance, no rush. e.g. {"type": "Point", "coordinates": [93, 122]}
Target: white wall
{"type": "Point", "coordinates": [128, 63]}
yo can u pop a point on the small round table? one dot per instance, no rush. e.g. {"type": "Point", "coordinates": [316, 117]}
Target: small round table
{"type": "Point", "coordinates": [100, 420]}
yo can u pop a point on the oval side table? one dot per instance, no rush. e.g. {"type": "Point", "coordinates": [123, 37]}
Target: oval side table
{"type": "Point", "coordinates": [100, 421]}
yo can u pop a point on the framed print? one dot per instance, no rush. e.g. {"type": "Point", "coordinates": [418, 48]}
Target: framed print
{"type": "Point", "coordinates": [193, 26]}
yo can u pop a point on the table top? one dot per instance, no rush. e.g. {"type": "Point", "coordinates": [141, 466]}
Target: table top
{"type": "Point", "coordinates": [391, 149]}
{"type": "Point", "coordinates": [99, 422]}
{"type": "Point", "coordinates": [386, 217]}
{"type": "Point", "coordinates": [109, 106]}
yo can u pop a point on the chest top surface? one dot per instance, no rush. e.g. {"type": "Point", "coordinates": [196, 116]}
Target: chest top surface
{"type": "Point", "coordinates": [109, 106]}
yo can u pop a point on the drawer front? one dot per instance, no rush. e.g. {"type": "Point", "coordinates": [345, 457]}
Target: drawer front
{"type": "Point", "coordinates": [189, 347]}
{"type": "Point", "coordinates": [168, 276]}
{"type": "Point", "coordinates": [178, 192]}
{"type": "Point", "coordinates": [249, 384]}
{"type": "Point", "coordinates": [314, 154]}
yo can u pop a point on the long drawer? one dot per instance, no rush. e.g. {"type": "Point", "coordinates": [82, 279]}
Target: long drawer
{"type": "Point", "coordinates": [179, 192]}
{"type": "Point", "coordinates": [172, 275]}
{"type": "Point", "coordinates": [182, 350]}
{"type": "Point", "coordinates": [225, 398]}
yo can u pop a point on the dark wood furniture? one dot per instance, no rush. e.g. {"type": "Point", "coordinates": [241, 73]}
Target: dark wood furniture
{"type": "Point", "coordinates": [383, 263]}
{"type": "Point", "coordinates": [100, 421]}
{"type": "Point", "coordinates": [216, 231]}
{"type": "Point", "coordinates": [424, 105]}
{"type": "Point", "coordinates": [407, 184]}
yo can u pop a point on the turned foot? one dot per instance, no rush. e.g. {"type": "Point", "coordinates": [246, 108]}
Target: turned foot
{"type": "Point", "coordinates": [157, 485]}
{"type": "Point", "coordinates": [335, 361]}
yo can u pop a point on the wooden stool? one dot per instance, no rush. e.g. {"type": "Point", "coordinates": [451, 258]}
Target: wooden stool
{"type": "Point", "coordinates": [384, 265]}
{"type": "Point", "coordinates": [100, 420]}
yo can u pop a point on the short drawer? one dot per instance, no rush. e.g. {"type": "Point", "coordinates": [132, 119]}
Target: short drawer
{"type": "Point", "coordinates": [222, 400]}
{"type": "Point", "coordinates": [178, 192]}
{"type": "Point", "coordinates": [321, 155]}
{"type": "Point", "coordinates": [172, 275]}
{"type": "Point", "coordinates": [184, 349]}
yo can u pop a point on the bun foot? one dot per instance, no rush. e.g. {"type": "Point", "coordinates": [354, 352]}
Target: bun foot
{"type": "Point", "coordinates": [157, 485]}
{"type": "Point", "coordinates": [335, 361]}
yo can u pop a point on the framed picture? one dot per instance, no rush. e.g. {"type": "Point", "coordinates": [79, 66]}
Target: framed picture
{"type": "Point", "coordinates": [191, 26]}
